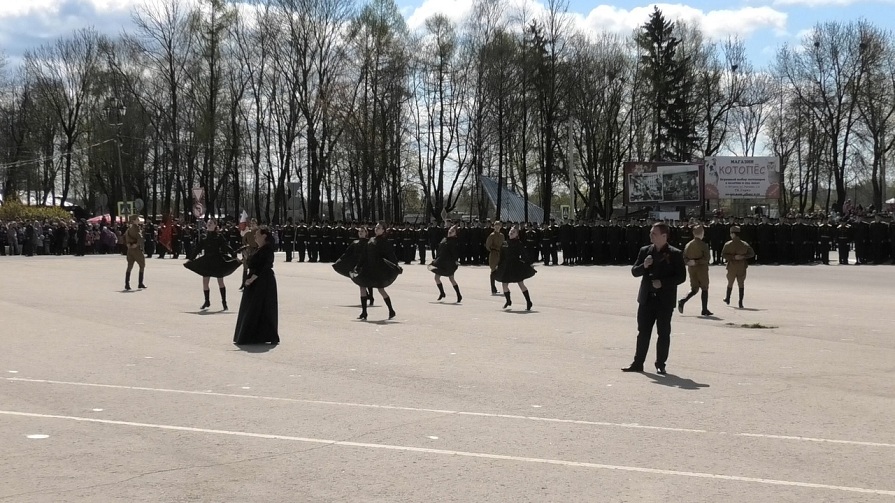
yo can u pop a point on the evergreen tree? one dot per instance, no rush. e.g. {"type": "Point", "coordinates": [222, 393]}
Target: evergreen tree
{"type": "Point", "coordinates": [669, 89]}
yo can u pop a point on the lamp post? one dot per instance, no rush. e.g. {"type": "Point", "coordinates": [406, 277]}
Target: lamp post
{"type": "Point", "coordinates": [117, 108]}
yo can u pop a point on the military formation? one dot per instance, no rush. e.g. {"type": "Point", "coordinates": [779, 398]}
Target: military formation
{"type": "Point", "coordinates": [791, 240]}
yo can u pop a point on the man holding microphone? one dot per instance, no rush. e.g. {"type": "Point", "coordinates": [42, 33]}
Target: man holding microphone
{"type": "Point", "coordinates": [661, 269]}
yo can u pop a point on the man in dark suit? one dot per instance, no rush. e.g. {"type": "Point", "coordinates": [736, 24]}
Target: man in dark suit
{"type": "Point", "coordinates": [661, 269]}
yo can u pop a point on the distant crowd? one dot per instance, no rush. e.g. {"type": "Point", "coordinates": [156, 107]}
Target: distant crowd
{"type": "Point", "coordinates": [793, 239]}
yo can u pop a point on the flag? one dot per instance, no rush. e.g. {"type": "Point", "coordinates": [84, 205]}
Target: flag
{"type": "Point", "coordinates": [243, 223]}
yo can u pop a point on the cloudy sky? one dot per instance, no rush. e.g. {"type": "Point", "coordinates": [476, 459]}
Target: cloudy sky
{"type": "Point", "coordinates": [764, 24]}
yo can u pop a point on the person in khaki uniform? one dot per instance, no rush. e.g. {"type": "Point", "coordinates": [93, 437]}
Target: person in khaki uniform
{"type": "Point", "coordinates": [697, 256]}
{"type": "Point", "coordinates": [737, 254]}
{"type": "Point", "coordinates": [494, 243]}
{"type": "Point", "coordinates": [133, 240]}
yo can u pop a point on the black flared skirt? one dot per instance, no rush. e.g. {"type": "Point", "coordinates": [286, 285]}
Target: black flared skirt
{"type": "Point", "coordinates": [213, 266]}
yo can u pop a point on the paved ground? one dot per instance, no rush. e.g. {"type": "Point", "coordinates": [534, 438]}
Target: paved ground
{"type": "Point", "coordinates": [142, 398]}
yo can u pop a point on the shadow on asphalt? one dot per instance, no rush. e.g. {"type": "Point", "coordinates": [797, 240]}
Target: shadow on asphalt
{"type": "Point", "coordinates": [208, 312]}
{"type": "Point", "coordinates": [673, 381]}
{"type": "Point", "coordinates": [255, 348]}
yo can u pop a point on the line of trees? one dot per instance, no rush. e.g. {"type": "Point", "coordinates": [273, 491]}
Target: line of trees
{"type": "Point", "coordinates": [340, 111]}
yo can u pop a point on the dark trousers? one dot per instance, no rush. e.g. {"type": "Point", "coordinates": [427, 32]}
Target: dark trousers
{"type": "Point", "coordinates": [421, 249]}
{"type": "Point", "coordinates": [288, 247]}
{"type": "Point", "coordinates": [652, 313]}
{"type": "Point", "coordinates": [843, 251]}
{"type": "Point", "coordinates": [301, 248]}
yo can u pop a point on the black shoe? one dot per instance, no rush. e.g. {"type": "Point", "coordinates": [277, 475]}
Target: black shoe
{"type": "Point", "coordinates": [741, 305]}
{"type": "Point", "coordinates": [727, 301]}
{"type": "Point", "coordinates": [362, 316]}
{"type": "Point", "coordinates": [660, 369]}
{"type": "Point", "coordinates": [707, 313]}
{"type": "Point", "coordinates": [225, 305]}
{"type": "Point", "coordinates": [680, 306]}
{"type": "Point", "coordinates": [392, 314]}
{"type": "Point", "coordinates": [141, 286]}
{"type": "Point", "coordinates": [205, 306]}
{"type": "Point", "coordinates": [127, 287]}
{"type": "Point", "coordinates": [440, 296]}
{"type": "Point", "coordinates": [633, 368]}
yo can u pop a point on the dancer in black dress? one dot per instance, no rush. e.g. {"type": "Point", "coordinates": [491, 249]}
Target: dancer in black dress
{"type": "Point", "coordinates": [352, 256]}
{"type": "Point", "coordinates": [258, 312]}
{"type": "Point", "coordinates": [377, 268]}
{"type": "Point", "coordinates": [447, 262]}
{"type": "Point", "coordinates": [218, 260]}
{"type": "Point", "coordinates": [514, 267]}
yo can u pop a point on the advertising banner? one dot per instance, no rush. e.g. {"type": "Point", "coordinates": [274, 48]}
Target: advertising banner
{"type": "Point", "coordinates": [742, 178]}
{"type": "Point", "coordinates": [663, 183]}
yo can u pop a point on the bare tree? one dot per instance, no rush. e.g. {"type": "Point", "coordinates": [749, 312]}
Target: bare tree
{"type": "Point", "coordinates": [63, 74]}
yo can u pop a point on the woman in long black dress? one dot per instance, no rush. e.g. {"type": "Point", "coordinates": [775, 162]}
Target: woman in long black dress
{"type": "Point", "coordinates": [514, 268]}
{"type": "Point", "coordinates": [447, 262]}
{"type": "Point", "coordinates": [349, 260]}
{"type": "Point", "coordinates": [218, 260]}
{"type": "Point", "coordinates": [258, 312]}
{"type": "Point", "coordinates": [377, 268]}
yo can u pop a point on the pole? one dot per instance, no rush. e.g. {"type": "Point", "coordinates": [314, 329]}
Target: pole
{"type": "Point", "coordinates": [120, 169]}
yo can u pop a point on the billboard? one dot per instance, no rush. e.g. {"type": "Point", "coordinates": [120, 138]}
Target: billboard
{"type": "Point", "coordinates": [742, 178]}
{"type": "Point", "coordinates": [662, 183]}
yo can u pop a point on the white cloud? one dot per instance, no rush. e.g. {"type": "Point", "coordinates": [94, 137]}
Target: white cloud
{"type": "Point", "coordinates": [455, 10]}
{"type": "Point", "coordinates": [815, 3]}
{"type": "Point", "coordinates": [716, 24]}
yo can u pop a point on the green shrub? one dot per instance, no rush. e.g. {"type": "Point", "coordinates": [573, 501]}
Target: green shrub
{"type": "Point", "coordinates": [12, 210]}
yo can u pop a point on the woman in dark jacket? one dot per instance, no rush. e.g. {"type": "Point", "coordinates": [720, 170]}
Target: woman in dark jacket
{"type": "Point", "coordinates": [217, 261]}
{"type": "Point", "coordinates": [377, 268]}
{"type": "Point", "coordinates": [447, 262]}
{"type": "Point", "coordinates": [257, 322]}
{"type": "Point", "coordinates": [352, 256]}
{"type": "Point", "coordinates": [514, 267]}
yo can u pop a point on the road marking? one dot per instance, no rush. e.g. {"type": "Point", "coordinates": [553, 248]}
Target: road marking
{"type": "Point", "coordinates": [450, 412]}
{"type": "Point", "coordinates": [445, 452]}
{"type": "Point", "coordinates": [811, 439]}
{"type": "Point", "coordinates": [359, 405]}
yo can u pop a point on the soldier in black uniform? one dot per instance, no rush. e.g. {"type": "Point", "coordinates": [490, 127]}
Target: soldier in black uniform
{"type": "Point", "coordinates": [615, 241]}
{"type": "Point", "coordinates": [892, 240]}
{"type": "Point", "coordinates": [566, 241]}
{"type": "Point", "coordinates": [843, 240]}
{"type": "Point", "coordinates": [464, 240]}
{"type": "Point", "coordinates": [301, 240]}
{"type": "Point", "coordinates": [289, 239]}
{"type": "Point", "coordinates": [434, 235]}
{"type": "Point", "coordinates": [717, 236]}
{"type": "Point", "coordinates": [422, 238]}
{"type": "Point", "coordinates": [783, 236]}
{"type": "Point", "coordinates": [632, 241]}
{"type": "Point", "coordinates": [582, 243]}
{"type": "Point", "coordinates": [879, 235]}
{"type": "Point", "coordinates": [313, 242]}
{"type": "Point", "coordinates": [764, 242]}
{"type": "Point", "coordinates": [861, 237]}
{"type": "Point", "coordinates": [408, 243]}
{"type": "Point", "coordinates": [150, 237]}
{"type": "Point", "coordinates": [546, 243]}
{"type": "Point", "coordinates": [598, 241]}
{"type": "Point", "coordinates": [531, 236]}
{"type": "Point", "coordinates": [799, 238]}
{"type": "Point", "coordinates": [825, 233]}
